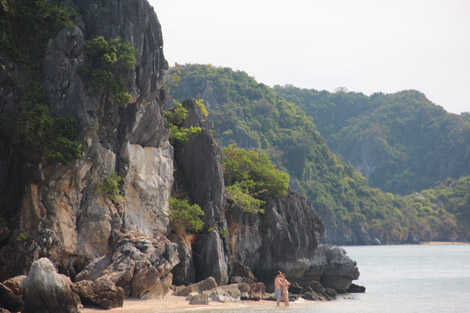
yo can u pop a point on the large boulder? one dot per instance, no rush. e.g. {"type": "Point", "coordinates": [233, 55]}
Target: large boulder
{"type": "Point", "coordinates": [15, 284]}
{"type": "Point", "coordinates": [227, 293]}
{"type": "Point", "coordinates": [140, 265]}
{"type": "Point", "coordinates": [46, 291]}
{"type": "Point", "coordinates": [198, 299]}
{"type": "Point", "coordinates": [207, 284]}
{"type": "Point", "coordinates": [333, 268]}
{"type": "Point", "coordinates": [101, 292]}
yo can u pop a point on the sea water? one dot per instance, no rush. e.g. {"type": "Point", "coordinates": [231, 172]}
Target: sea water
{"type": "Point", "coordinates": [399, 279]}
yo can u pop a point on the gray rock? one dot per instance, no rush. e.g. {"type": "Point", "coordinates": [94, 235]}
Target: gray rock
{"type": "Point", "coordinates": [227, 293]}
{"type": "Point", "coordinates": [239, 280]}
{"type": "Point", "coordinates": [240, 270]}
{"type": "Point", "coordinates": [199, 299]}
{"type": "Point", "coordinates": [333, 268]}
{"type": "Point", "coordinates": [210, 257]}
{"type": "Point", "coordinates": [207, 284]}
{"type": "Point", "coordinates": [45, 291]}
{"type": "Point", "coordinates": [184, 272]}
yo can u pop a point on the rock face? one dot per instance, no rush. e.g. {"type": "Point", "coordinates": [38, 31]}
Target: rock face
{"type": "Point", "coordinates": [200, 160]}
{"type": "Point", "coordinates": [54, 210]}
{"type": "Point", "coordinates": [284, 238]}
{"type": "Point", "coordinates": [45, 291]}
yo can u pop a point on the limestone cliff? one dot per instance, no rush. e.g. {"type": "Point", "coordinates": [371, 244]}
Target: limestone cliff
{"type": "Point", "coordinates": [54, 210]}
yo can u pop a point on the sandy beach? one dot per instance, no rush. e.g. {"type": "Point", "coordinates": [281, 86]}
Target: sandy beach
{"type": "Point", "coordinates": [176, 304]}
{"type": "Point", "coordinates": [444, 243]}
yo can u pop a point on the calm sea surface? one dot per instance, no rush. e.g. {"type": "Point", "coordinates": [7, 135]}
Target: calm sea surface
{"type": "Point", "coordinates": [399, 279]}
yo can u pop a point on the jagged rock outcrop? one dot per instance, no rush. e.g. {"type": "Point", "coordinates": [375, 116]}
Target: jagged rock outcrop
{"type": "Point", "coordinates": [199, 160]}
{"type": "Point", "coordinates": [284, 238]}
{"type": "Point", "coordinates": [140, 265]}
{"type": "Point", "coordinates": [332, 267]}
{"type": "Point", "coordinates": [54, 210]}
{"type": "Point", "coordinates": [207, 284]}
{"type": "Point", "coordinates": [227, 293]}
{"type": "Point", "coordinates": [45, 291]}
{"type": "Point", "coordinates": [101, 292]}
{"type": "Point", "coordinates": [9, 300]}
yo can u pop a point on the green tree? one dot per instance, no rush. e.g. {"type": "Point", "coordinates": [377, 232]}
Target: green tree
{"type": "Point", "coordinates": [107, 60]}
{"type": "Point", "coordinates": [249, 175]}
{"type": "Point", "coordinates": [173, 122]}
{"type": "Point", "coordinates": [184, 217]}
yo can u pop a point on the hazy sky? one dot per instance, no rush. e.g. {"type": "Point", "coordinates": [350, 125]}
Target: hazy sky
{"type": "Point", "coordinates": [364, 45]}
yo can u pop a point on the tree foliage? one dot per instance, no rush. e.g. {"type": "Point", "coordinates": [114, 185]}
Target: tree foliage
{"type": "Point", "coordinates": [407, 142]}
{"type": "Point", "coordinates": [184, 217]}
{"type": "Point", "coordinates": [173, 122]}
{"type": "Point", "coordinates": [27, 25]}
{"type": "Point", "coordinates": [109, 187]}
{"type": "Point", "coordinates": [250, 176]}
{"type": "Point", "coordinates": [25, 28]}
{"type": "Point", "coordinates": [107, 60]}
{"type": "Point", "coordinates": [54, 137]}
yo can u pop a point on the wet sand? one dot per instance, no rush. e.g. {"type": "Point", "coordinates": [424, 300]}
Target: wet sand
{"type": "Point", "coordinates": [176, 304]}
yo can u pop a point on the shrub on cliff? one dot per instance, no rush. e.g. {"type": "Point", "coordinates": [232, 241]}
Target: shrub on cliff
{"type": "Point", "coordinates": [25, 28]}
{"type": "Point", "coordinates": [109, 187]}
{"type": "Point", "coordinates": [107, 59]}
{"type": "Point", "coordinates": [184, 217]}
{"type": "Point", "coordinates": [54, 137]}
{"type": "Point", "coordinates": [173, 121]}
{"type": "Point", "coordinates": [249, 175]}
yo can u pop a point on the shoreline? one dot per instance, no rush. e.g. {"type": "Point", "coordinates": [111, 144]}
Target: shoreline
{"type": "Point", "coordinates": [173, 304]}
{"type": "Point", "coordinates": [444, 243]}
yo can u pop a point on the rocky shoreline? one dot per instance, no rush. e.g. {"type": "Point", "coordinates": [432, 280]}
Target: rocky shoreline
{"type": "Point", "coordinates": [45, 290]}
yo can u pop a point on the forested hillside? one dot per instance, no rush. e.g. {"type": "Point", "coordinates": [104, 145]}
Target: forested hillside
{"type": "Point", "coordinates": [401, 142]}
{"type": "Point", "coordinates": [253, 116]}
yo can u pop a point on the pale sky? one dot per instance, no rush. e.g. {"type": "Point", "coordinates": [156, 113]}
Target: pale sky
{"type": "Point", "coordinates": [364, 45]}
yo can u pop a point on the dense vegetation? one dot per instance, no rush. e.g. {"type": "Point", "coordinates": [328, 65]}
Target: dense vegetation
{"type": "Point", "coordinates": [401, 142]}
{"type": "Point", "coordinates": [25, 27]}
{"type": "Point", "coordinates": [250, 177]}
{"type": "Point", "coordinates": [253, 116]}
{"type": "Point", "coordinates": [184, 217]}
{"type": "Point", "coordinates": [107, 60]}
{"type": "Point", "coordinates": [174, 119]}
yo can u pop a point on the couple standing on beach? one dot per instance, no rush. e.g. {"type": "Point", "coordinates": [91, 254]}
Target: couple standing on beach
{"type": "Point", "coordinates": [281, 286]}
